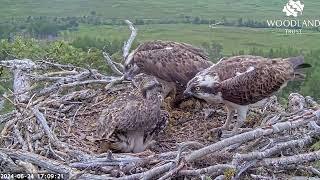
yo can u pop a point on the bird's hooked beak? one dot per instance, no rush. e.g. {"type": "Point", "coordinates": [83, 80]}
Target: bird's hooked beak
{"type": "Point", "coordinates": [187, 93]}
{"type": "Point", "coordinates": [127, 76]}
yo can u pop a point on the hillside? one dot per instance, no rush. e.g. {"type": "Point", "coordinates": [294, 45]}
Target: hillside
{"type": "Point", "coordinates": [233, 39]}
{"type": "Point", "coordinates": [213, 9]}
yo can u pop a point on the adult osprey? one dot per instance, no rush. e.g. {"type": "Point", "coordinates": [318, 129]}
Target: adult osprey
{"type": "Point", "coordinates": [243, 80]}
{"type": "Point", "coordinates": [174, 64]}
{"type": "Point", "coordinates": [130, 122]}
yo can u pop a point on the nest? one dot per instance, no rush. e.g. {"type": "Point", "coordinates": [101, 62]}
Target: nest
{"type": "Point", "coordinates": [53, 128]}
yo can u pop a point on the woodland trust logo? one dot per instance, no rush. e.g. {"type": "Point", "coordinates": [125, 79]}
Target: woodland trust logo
{"type": "Point", "coordinates": [293, 8]}
{"type": "Point", "coordinates": [292, 25]}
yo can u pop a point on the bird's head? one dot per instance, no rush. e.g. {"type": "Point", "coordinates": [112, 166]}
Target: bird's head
{"type": "Point", "coordinates": [205, 86]}
{"type": "Point", "coordinates": [147, 83]}
{"type": "Point", "coordinates": [131, 69]}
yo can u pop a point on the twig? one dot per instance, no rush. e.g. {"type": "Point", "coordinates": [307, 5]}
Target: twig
{"type": "Point", "coordinates": [60, 66]}
{"type": "Point", "coordinates": [111, 64]}
{"type": "Point", "coordinates": [127, 45]}
{"type": "Point", "coordinates": [248, 136]}
{"type": "Point", "coordinates": [6, 117]}
{"type": "Point", "coordinates": [43, 122]}
{"type": "Point", "coordinates": [7, 127]}
{"type": "Point", "coordinates": [150, 173]}
{"type": "Point", "coordinates": [311, 169]}
{"type": "Point", "coordinates": [113, 83]}
{"type": "Point", "coordinates": [271, 151]}
{"type": "Point", "coordinates": [172, 172]}
{"type": "Point", "coordinates": [43, 162]}
{"type": "Point", "coordinates": [101, 162]}
{"type": "Point", "coordinates": [98, 81]}
{"type": "Point", "coordinates": [283, 162]}
{"type": "Point", "coordinates": [19, 137]}
{"type": "Point", "coordinates": [28, 167]}
{"type": "Point", "coordinates": [65, 80]}
{"type": "Point", "coordinates": [259, 177]}
{"type": "Point", "coordinates": [8, 164]}
{"type": "Point", "coordinates": [211, 170]}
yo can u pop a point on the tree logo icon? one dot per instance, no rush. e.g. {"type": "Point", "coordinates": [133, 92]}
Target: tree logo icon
{"type": "Point", "coordinates": [293, 8]}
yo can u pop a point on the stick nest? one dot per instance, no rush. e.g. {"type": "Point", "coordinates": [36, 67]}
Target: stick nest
{"type": "Point", "coordinates": [54, 131]}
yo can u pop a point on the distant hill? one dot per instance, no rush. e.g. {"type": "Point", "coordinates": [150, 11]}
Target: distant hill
{"type": "Point", "coordinates": [215, 9]}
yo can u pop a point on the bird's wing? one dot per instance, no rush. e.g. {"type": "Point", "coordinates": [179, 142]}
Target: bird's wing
{"type": "Point", "coordinates": [229, 67]}
{"type": "Point", "coordinates": [158, 44]}
{"type": "Point", "coordinates": [152, 45]}
{"type": "Point", "coordinates": [173, 65]}
{"type": "Point", "coordinates": [107, 122]}
{"type": "Point", "coordinates": [198, 51]}
{"type": "Point", "coordinates": [135, 115]}
{"type": "Point", "coordinates": [257, 84]}
{"type": "Point", "coordinates": [111, 118]}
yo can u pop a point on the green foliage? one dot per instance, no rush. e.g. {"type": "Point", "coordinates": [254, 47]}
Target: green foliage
{"type": "Point", "coordinates": [152, 9]}
{"type": "Point", "coordinates": [233, 39]}
{"type": "Point", "coordinates": [316, 146]}
{"type": "Point", "coordinates": [39, 27]}
{"type": "Point", "coordinates": [229, 173]}
{"type": "Point", "coordinates": [214, 49]}
{"type": "Point", "coordinates": [20, 48]}
{"type": "Point", "coordinates": [56, 51]}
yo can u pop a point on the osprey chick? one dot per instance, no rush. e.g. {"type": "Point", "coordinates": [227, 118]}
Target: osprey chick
{"type": "Point", "coordinates": [174, 64]}
{"type": "Point", "coordinates": [244, 80]}
{"type": "Point", "coordinates": [133, 119]}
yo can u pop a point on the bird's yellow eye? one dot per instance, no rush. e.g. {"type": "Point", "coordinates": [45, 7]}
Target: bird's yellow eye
{"type": "Point", "coordinates": [198, 88]}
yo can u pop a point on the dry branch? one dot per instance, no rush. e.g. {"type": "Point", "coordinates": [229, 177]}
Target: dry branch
{"type": "Point", "coordinates": [127, 45]}
{"type": "Point", "coordinates": [111, 64]}
{"type": "Point", "coordinates": [43, 122]}
{"type": "Point", "coordinates": [251, 135]}
{"type": "Point", "coordinates": [45, 163]}
{"type": "Point", "coordinates": [283, 162]}
{"type": "Point", "coordinates": [21, 83]}
{"type": "Point", "coordinates": [211, 170]}
{"type": "Point", "coordinates": [269, 152]}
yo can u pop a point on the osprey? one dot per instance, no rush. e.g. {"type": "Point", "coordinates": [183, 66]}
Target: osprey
{"type": "Point", "coordinates": [174, 64]}
{"type": "Point", "coordinates": [131, 121]}
{"type": "Point", "coordinates": [244, 80]}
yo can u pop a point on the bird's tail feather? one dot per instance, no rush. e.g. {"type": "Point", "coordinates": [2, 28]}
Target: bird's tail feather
{"type": "Point", "coordinates": [298, 65]}
{"type": "Point", "coordinates": [303, 66]}
{"type": "Point", "coordinates": [298, 62]}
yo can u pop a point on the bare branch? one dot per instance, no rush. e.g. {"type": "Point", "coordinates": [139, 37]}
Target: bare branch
{"type": "Point", "coordinates": [47, 64]}
{"type": "Point", "coordinates": [111, 64]}
{"type": "Point", "coordinates": [127, 45]}
{"type": "Point", "coordinates": [8, 163]}
{"type": "Point", "coordinates": [251, 135]}
{"type": "Point", "coordinates": [271, 151]}
{"type": "Point", "coordinates": [19, 137]}
{"type": "Point", "coordinates": [289, 160]}
{"type": "Point", "coordinates": [21, 82]}
{"type": "Point", "coordinates": [101, 162]}
{"type": "Point", "coordinates": [43, 122]}
{"type": "Point", "coordinates": [43, 162]}
{"type": "Point", "coordinates": [211, 170]}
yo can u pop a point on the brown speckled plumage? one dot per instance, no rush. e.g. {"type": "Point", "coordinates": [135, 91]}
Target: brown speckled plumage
{"type": "Point", "coordinates": [243, 80]}
{"type": "Point", "coordinates": [258, 84]}
{"type": "Point", "coordinates": [134, 116]}
{"type": "Point", "coordinates": [169, 61]}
